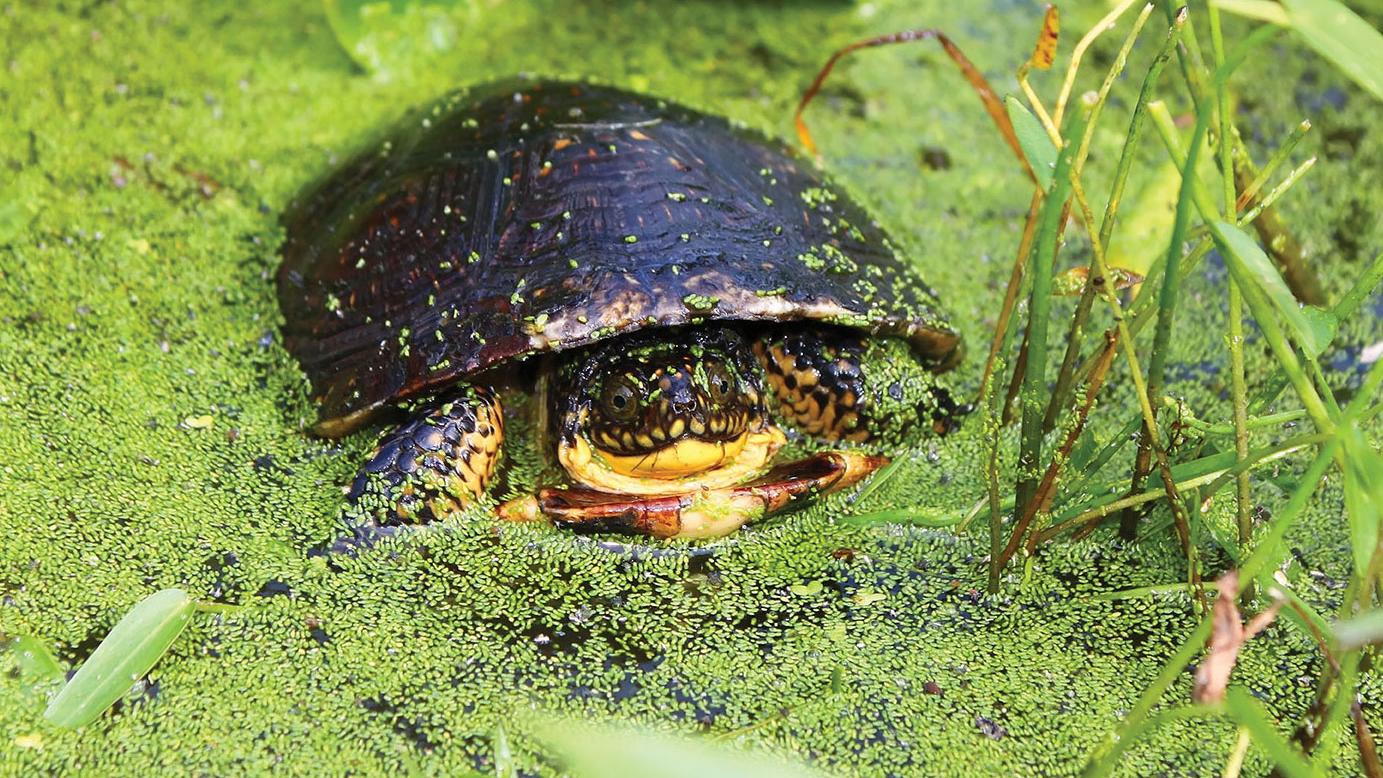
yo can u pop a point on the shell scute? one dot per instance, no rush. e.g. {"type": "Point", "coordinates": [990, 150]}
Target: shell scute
{"type": "Point", "coordinates": [534, 216]}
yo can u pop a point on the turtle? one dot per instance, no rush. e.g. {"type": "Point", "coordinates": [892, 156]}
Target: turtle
{"type": "Point", "coordinates": [682, 295]}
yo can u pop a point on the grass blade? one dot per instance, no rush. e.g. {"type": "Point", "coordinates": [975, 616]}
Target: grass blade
{"type": "Point", "coordinates": [138, 641]}
{"type": "Point", "coordinates": [384, 38]}
{"type": "Point", "coordinates": [1250, 714]}
{"type": "Point", "coordinates": [1312, 328]}
{"type": "Point", "coordinates": [608, 751]}
{"type": "Point", "coordinates": [1261, 10]}
{"type": "Point", "coordinates": [1037, 146]}
{"type": "Point", "coordinates": [1363, 482]}
{"type": "Point", "coordinates": [920, 516]}
{"type": "Point", "coordinates": [1361, 630]}
{"type": "Point", "coordinates": [504, 755]}
{"type": "Point", "coordinates": [1343, 37]}
{"type": "Point", "coordinates": [1043, 258]}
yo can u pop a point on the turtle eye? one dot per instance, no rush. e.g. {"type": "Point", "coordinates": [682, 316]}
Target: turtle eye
{"type": "Point", "coordinates": [722, 384]}
{"type": "Point", "coordinates": [620, 399]}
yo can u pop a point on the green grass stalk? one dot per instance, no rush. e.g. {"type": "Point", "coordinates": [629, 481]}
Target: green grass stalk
{"type": "Point", "coordinates": [1284, 150]}
{"type": "Point", "coordinates": [1166, 310]}
{"type": "Point", "coordinates": [1039, 315]}
{"type": "Point", "coordinates": [1345, 308]}
{"type": "Point", "coordinates": [1267, 552]}
{"type": "Point", "coordinates": [1243, 499]}
{"type": "Point", "coordinates": [1064, 381]}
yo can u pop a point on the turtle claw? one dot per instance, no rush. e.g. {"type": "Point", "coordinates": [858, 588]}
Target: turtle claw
{"type": "Point", "coordinates": [708, 513]}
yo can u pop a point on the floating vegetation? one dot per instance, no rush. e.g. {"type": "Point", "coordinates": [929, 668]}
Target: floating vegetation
{"type": "Point", "coordinates": [152, 146]}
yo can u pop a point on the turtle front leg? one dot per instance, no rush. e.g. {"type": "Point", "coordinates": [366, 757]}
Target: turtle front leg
{"type": "Point", "coordinates": [839, 385]}
{"type": "Point", "coordinates": [433, 465]}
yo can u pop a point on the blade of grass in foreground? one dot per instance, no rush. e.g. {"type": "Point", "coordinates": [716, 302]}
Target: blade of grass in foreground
{"type": "Point", "coordinates": [1365, 629]}
{"type": "Point", "coordinates": [1341, 36]}
{"type": "Point", "coordinates": [607, 751]}
{"type": "Point", "coordinates": [138, 641]}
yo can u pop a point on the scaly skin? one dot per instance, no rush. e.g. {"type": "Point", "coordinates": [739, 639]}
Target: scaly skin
{"type": "Point", "coordinates": [434, 464]}
{"type": "Point", "coordinates": [653, 419]}
{"type": "Point", "coordinates": [840, 385]}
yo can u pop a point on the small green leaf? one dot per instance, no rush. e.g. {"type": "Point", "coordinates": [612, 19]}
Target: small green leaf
{"type": "Point", "coordinates": [1363, 484]}
{"type": "Point", "coordinates": [613, 751]}
{"type": "Point", "coordinates": [1037, 146]}
{"type": "Point", "coordinates": [1323, 323]}
{"type": "Point", "coordinates": [810, 589]}
{"type": "Point", "coordinates": [1312, 328]}
{"type": "Point", "coordinates": [35, 662]}
{"type": "Point", "coordinates": [138, 641]}
{"type": "Point", "coordinates": [1082, 452]}
{"type": "Point", "coordinates": [13, 220]}
{"type": "Point", "coordinates": [1341, 36]}
{"type": "Point", "coordinates": [866, 597]}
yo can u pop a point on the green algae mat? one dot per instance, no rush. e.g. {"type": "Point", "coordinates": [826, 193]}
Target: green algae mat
{"type": "Point", "coordinates": [153, 428]}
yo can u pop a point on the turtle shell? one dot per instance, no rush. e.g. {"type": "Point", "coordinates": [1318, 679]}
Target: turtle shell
{"type": "Point", "coordinates": [533, 216]}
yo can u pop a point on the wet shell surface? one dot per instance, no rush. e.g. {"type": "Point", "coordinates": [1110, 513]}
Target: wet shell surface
{"type": "Point", "coordinates": [529, 216]}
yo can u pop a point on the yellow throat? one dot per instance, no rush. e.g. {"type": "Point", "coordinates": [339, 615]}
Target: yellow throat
{"type": "Point", "coordinates": [683, 466]}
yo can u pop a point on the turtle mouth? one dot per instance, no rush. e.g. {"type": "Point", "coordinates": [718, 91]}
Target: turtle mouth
{"type": "Point", "coordinates": [685, 464]}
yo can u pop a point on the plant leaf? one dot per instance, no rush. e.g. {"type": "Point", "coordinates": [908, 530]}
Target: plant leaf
{"type": "Point", "coordinates": [1044, 51]}
{"type": "Point", "coordinates": [1313, 328]}
{"type": "Point", "coordinates": [1146, 221]}
{"type": "Point", "coordinates": [614, 751]}
{"type": "Point", "coordinates": [39, 673]}
{"type": "Point", "coordinates": [1037, 147]}
{"type": "Point", "coordinates": [504, 755]}
{"type": "Point", "coordinates": [920, 515]}
{"type": "Point", "coordinates": [35, 662]}
{"type": "Point", "coordinates": [1261, 10]}
{"type": "Point", "coordinates": [1363, 484]}
{"type": "Point", "coordinates": [1361, 630]}
{"type": "Point", "coordinates": [138, 641]}
{"type": "Point", "coordinates": [1343, 37]}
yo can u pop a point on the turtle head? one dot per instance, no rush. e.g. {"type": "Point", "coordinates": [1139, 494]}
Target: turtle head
{"type": "Point", "coordinates": [666, 412]}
